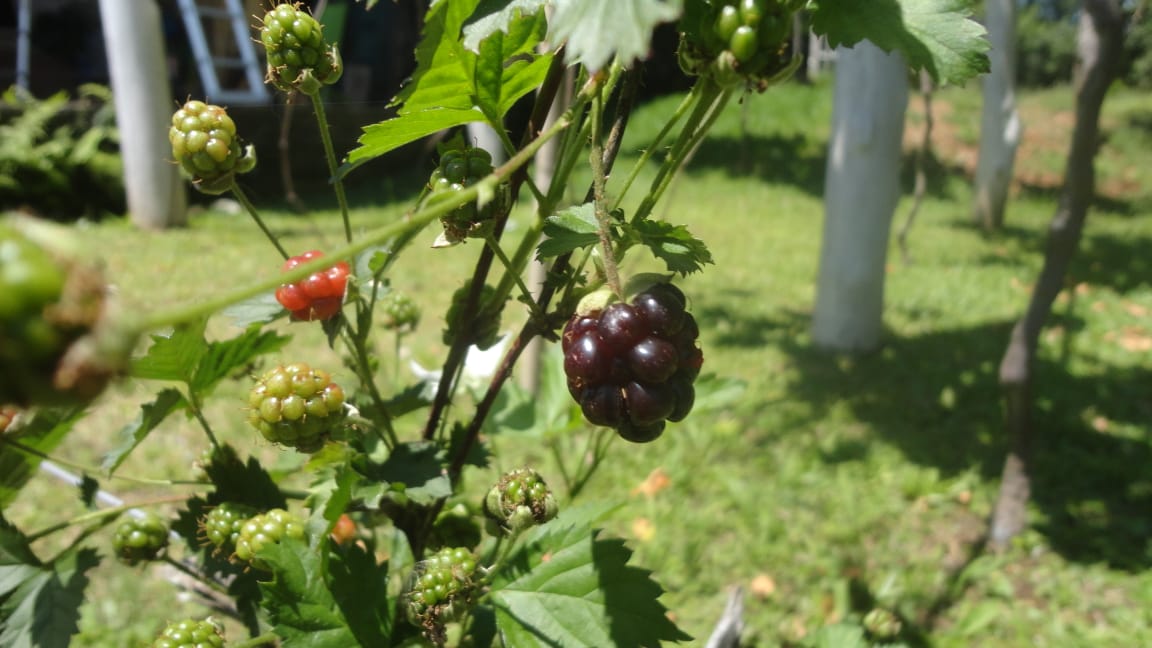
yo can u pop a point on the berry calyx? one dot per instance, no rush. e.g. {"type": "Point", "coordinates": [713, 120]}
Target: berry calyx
{"type": "Point", "coordinates": [320, 295]}
{"type": "Point", "coordinates": [631, 366]}
{"type": "Point", "coordinates": [190, 633]}
{"type": "Point", "coordinates": [264, 529]}
{"type": "Point", "coordinates": [298, 56]}
{"type": "Point", "coordinates": [520, 499]}
{"type": "Point", "coordinates": [296, 405]}
{"type": "Point", "coordinates": [221, 525]}
{"type": "Point", "coordinates": [442, 588]}
{"type": "Point", "coordinates": [205, 145]}
{"type": "Point", "coordinates": [140, 539]}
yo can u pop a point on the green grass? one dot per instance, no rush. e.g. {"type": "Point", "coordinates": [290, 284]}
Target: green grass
{"type": "Point", "coordinates": [832, 483]}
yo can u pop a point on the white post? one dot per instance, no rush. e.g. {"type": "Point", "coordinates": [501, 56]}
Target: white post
{"type": "Point", "coordinates": [861, 189]}
{"type": "Point", "coordinates": [144, 107]}
{"type": "Point", "coordinates": [1000, 127]}
{"type": "Point", "coordinates": [23, 40]}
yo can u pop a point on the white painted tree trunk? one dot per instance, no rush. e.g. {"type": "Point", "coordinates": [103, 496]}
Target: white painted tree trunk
{"type": "Point", "coordinates": [861, 189]}
{"type": "Point", "coordinates": [144, 106]}
{"type": "Point", "coordinates": [1000, 126]}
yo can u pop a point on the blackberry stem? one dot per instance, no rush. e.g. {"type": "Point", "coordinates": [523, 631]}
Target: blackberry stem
{"type": "Point", "coordinates": [330, 154]}
{"type": "Point", "coordinates": [243, 198]}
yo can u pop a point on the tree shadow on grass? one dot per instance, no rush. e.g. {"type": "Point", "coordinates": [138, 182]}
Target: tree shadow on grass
{"type": "Point", "coordinates": [936, 397]}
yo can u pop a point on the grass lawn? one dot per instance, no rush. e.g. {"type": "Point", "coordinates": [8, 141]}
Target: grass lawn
{"type": "Point", "coordinates": [824, 485]}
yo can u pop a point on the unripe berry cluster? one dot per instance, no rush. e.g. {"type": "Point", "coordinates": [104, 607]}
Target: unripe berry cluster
{"type": "Point", "coordinates": [204, 144]}
{"type": "Point", "coordinates": [399, 312]}
{"type": "Point", "coordinates": [442, 588]}
{"type": "Point", "coordinates": [740, 41]}
{"type": "Point", "coordinates": [631, 366]}
{"type": "Point", "coordinates": [140, 539]}
{"type": "Point", "coordinates": [320, 295]}
{"type": "Point", "coordinates": [298, 57]}
{"type": "Point", "coordinates": [296, 405]}
{"type": "Point", "coordinates": [520, 499]}
{"type": "Point", "coordinates": [190, 633]}
{"type": "Point", "coordinates": [460, 168]}
{"type": "Point", "coordinates": [264, 529]}
{"type": "Point", "coordinates": [221, 526]}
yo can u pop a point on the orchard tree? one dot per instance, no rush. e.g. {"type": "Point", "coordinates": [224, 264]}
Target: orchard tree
{"type": "Point", "coordinates": [1000, 126]}
{"type": "Point", "coordinates": [385, 546]}
{"type": "Point", "coordinates": [1100, 47]}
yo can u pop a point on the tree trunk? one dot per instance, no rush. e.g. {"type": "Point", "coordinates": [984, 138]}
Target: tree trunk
{"type": "Point", "coordinates": [136, 63]}
{"type": "Point", "coordinates": [1100, 50]}
{"type": "Point", "coordinates": [999, 122]}
{"type": "Point", "coordinates": [861, 189]}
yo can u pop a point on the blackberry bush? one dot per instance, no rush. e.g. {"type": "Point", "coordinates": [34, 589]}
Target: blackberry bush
{"type": "Point", "coordinates": [296, 405]}
{"type": "Point", "coordinates": [632, 366]}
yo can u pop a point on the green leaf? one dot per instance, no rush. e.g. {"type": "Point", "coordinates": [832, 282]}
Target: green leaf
{"type": "Point", "coordinates": [17, 562]}
{"type": "Point", "coordinates": [260, 309]}
{"type": "Point", "coordinates": [224, 358]}
{"type": "Point", "coordinates": [493, 16]}
{"type": "Point", "coordinates": [935, 35]}
{"type": "Point", "coordinates": [674, 244]}
{"type": "Point", "coordinates": [569, 230]}
{"type": "Point", "coordinates": [416, 469]}
{"type": "Point", "coordinates": [569, 587]}
{"type": "Point", "coordinates": [42, 434]}
{"type": "Point", "coordinates": [360, 587]}
{"type": "Point", "coordinates": [840, 635]}
{"type": "Point", "coordinates": [300, 606]}
{"type": "Point", "coordinates": [453, 85]}
{"type": "Point", "coordinates": [151, 415]}
{"type": "Point", "coordinates": [174, 356]}
{"type": "Point", "coordinates": [598, 29]}
{"type": "Point", "coordinates": [43, 611]}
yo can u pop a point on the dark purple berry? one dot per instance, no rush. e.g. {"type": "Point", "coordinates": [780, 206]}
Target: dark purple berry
{"type": "Point", "coordinates": [586, 360]}
{"type": "Point", "coordinates": [653, 359]}
{"type": "Point", "coordinates": [684, 395]}
{"type": "Point", "coordinates": [662, 310]}
{"type": "Point", "coordinates": [621, 326]}
{"type": "Point", "coordinates": [641, 433]}
{"type": "Point", "coordinates": [603, 406]}
{"type": "Point", "coordinates": [691, 359]}
{"type": "Point", "coordinates": [648, 404]}
{"type": "Point", "coordinates": [576, 327]}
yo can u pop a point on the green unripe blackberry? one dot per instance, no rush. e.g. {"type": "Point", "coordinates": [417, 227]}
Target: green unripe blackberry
{"type": "Point", "coordinates": [739, 42]}
{"type": "Point", "coordinates": [442, 589]}
{"type": "Point", "coordinates": [882, 624]}
{"type": "Point", "coordinates": [140, 539]}
{"type": "Point", "coordinates": [298, 57]}
{"type": "Point", "coordinates": [263, 529]}
{"type": "Point", "coordinates": [296, 405]}
{"type": "Point", "coordinates": [221, 525]}
{"type": "Point", "coordinates": [459, 169]}
{"type": "Point", "coordinates": [205, 145]}
{"type": "Point", "coordinates": [190, 633]}
{"type": "Point", "coordinates": [53, 318]}
{"type": "Point", "coordinates": [400, 312]}
{"type": "Point", "coordinates": [520, 499]}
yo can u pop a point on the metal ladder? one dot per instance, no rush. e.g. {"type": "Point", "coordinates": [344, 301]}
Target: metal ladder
{"type": "Point", "coordinates": [253, 91]}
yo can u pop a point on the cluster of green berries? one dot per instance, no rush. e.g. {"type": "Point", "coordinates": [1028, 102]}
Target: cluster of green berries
{"type": "Point", "coordinates": [320, 295]}
{"type": "Point", "coordinates": [460, 168]}
{"type": "Point", "coordinates": [296, 405]}
{"type": "Point", "coordinates": [190, 633]}
{"type": "Point", "coordinates": [205, 145]}
{"type": "Point", "coordinates": [221, 526]}
{"type": "Point", "coordinates": [483, 330]}
{"type": "Point", "coordinates": [298, 57]}
{"type": "Point", "coordinates": [739, 41]}
{"type": "Point", "coordinates": [520, 499]}
{"type": "Point", "coordinates": [631, 366]}
{"type": "Point", "coordinates": [51, 306]}
{"type": "Point", "coordinates": [441, 590]}
{"type": "Point", "coordinates": [399, 312]}
{"type": "Point", "coordinates": [140, 539]}
{"type": "Point", "coordinates": [264, 529]}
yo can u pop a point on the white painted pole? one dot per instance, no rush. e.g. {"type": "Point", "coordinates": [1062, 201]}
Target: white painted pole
{"type": "Point", "coordinates": [144, 106]}
{"type": "Point", "coordinates": [861, 189]}
{"type": "Point", "coordinates": [1000, 126]}
{"type": "Point", "coordinates": [23, 41]}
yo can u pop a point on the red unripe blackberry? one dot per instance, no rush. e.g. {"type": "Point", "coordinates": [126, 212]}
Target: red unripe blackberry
{"type": "Point", "coordinates": [320, 295]}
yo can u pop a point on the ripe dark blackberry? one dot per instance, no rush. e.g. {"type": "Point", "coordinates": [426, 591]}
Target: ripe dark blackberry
{"type": "Point", "coordinates": [190, 633]}
{"type": "Point", "coordinates": [140, 539]}
{"type": "Point", "coordinates": [631, 366]}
